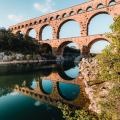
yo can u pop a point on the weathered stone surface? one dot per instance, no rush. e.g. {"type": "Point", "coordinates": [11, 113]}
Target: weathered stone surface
{"type": "Point", "coordinates": [89, 69]}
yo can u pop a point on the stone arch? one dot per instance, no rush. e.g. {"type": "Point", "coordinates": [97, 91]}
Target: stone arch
{"type": "Point", "coordinates": [44, 31]}
{"type": "Point", "coordinates": [31, 32]}
{"type": "Point", "coordinates": [94, 15]}
{"type": "Point", "coordinates": [58, 17]}
{"type": "Point", "coordinates": [52, 18]}
{"type": "Point", "coordinates": [35, 22]}
{"type": "Point", "coordinates": [61, 47]}
{"type": "Point", "coordinates": [22, 26]}
{"type": "Point", "coordinates": [95, 41]}
{"type": "Point", "coordinates": [68, 91]}
{"type": "Point", "coordinates": [46, 86]}
{"type": "Point", "coordinates": [45, 20]}
{"type": "Point", "coordinates": [30, 24]}
{"type": "Point", "coordinates": [64, 15]}
{"type": "Point", "coordinates": [68, 71]}
{"type": "Point", "coordinates": [40, 21]}
{"type": "Point", "coordinates": [26, 25]}
{"type": "Point", "coordinates": [80, 11]}
{"type": "Point", "coordinates": [89, 8]}
{"type": "Point", "coordinates": [111, 3]}
{"type": "Point", "coordinates": [99, 6]}
{"type": "Point", "coordinates": [76, 34]}
{"type": "Point", "coordinates": [46, 49]}
{"type": "Point", "coordinates": [72, 13]}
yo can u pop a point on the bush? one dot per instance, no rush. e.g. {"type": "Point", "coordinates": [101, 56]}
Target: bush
{"type": "Point", "coordinates": [17, 43]}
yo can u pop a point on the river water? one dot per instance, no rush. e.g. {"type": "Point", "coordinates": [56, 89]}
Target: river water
{"type": "Point", "coordinates": [35, 95]}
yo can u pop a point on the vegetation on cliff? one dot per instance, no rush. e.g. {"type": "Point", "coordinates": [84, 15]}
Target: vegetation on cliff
{"type": "Point", "coordinates": [109, 62]}
{"type": "Point", "coordinates": [104, 81]}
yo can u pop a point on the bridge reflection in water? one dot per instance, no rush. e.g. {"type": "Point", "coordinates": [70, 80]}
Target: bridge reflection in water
{"type": "Point", "coordinates": [56, 84]}
{"type": "Point", "coordinates": [36, 95]}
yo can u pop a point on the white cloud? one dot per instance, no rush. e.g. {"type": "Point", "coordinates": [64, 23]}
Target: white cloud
{"type": "Point", "coordinates": [15, 17]}
{"type": "Point", "coordinates": [46, 7]}
{"type": "Point", "coordinates": [38, 6]}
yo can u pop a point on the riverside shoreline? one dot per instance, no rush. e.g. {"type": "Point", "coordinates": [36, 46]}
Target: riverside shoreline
{"type": "Point", "coordinates": [14, 67]}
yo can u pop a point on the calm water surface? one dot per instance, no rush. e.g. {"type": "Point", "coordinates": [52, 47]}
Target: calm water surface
{"type": "Point", "coordinates": [33, 96]}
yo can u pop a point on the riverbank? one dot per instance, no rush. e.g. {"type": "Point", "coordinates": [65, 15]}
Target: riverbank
{"type": "Point", "coordinates": [14, 67]}
{"type": "Point", "coordinates": [103, 94]}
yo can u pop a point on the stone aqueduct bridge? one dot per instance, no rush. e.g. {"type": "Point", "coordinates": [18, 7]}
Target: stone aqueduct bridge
{"type": "Point", "coordinates": [82, 13]}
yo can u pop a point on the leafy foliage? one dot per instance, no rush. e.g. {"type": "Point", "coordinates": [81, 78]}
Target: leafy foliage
{"type": "Point", "coordinates": [76, 114]}
{"type": "Point", "coordinates": [17, 43]}
{"type": "Point", "coordinates": [109, 62]}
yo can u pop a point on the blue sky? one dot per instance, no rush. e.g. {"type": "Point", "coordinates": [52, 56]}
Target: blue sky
{"type": "Point", "coordinates": [14, 11]}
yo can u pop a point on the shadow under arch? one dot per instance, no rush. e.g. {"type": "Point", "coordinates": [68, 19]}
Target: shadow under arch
{"type": "Point", "coordinates": [69, 91]}
{"type": "Point", "coordinates": [60, 26]}
{"type": "Point", "coordinates": [89, 20]}
{"type": "Point", "coordinates": [41, 30]}
{"type": "Point", "coordinates": [62, 46]}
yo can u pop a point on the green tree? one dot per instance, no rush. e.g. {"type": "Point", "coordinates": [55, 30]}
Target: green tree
{"type": "Point", "coordinates": [17, 43]}
{"type": "Point", "coordinates": [109, 62]}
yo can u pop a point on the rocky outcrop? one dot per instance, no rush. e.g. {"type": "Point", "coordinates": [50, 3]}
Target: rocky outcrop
{"type": "Point", "coordinates": [96, 90]}
{"type": "Point", "coordinates": [6, 57]}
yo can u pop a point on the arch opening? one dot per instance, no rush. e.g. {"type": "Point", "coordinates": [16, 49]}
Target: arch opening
{"type": "Point", "coordinates": [72, 13]}
{"type": "Point", "coordinates": [33, 84]}
{"type": "Point", "coordinates": [99, 23]}
{"type": "Point", "coordinates": [99, 6]}
{"type": "Point", "coordinates": [97, 46]}
{"type": "Point", "coordinates": [31, 33]}
{"type": "Point", "coordinates": [112, 2]}
{"type": "Point", "coordinates": [80, 11]}
{"type": "Point", "coordinates": [68, 71]}
{"type": "Point", "coordinates": [46, 86]}
{"type": "Point", "coordinates": [68, 49]}
{"type": "Point", "coordinates": [58, 17]}
{"type": "Point", "coordinates": [68, 91]}
{"type": "Point", "coordinates": [89, 9]}
{"type": "Point", "coordinates": [46, 32]}
{"type": "Point", "coordinates": [66, 29]}
{"type": "Point", "coordinates": [64, 15]}
{"type": "Point", "coordinates": [51, 18]}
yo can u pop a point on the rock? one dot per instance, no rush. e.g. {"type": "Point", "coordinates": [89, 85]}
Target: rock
{"type": "Point", "coordinates": [5, 58]}
{"type": "Point", "coordinates": [89, 69]}
{"type": "Point", "coordinates": [1, 56]}
{"type": "Point", "coordinates": [19, 56]}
